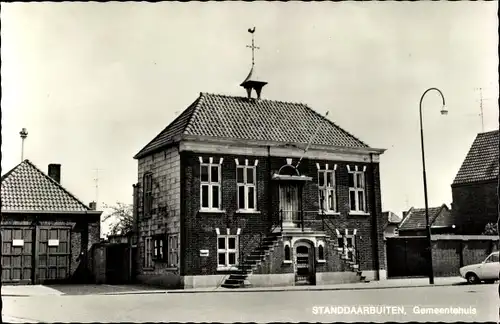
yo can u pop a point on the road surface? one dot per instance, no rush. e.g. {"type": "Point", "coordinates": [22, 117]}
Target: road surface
{"type": "Point", "coordinates": [457, 303]}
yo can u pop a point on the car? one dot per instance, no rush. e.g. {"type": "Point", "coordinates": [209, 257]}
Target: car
{"type": "Point", "coordinates": [487, 271]}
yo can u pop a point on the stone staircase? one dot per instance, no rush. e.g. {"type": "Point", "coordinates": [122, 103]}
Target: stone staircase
{"type": "Point", "coordinates": [238, 278]}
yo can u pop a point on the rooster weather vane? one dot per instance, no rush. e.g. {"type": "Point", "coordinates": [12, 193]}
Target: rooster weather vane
{"type": "Point", "coordinates": [253, 47]}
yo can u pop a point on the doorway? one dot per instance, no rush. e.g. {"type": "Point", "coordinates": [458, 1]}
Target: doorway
{"type": "Point", "coordinates": [304, 264]}
{"type": "Point", "coordinates": [289, 204]}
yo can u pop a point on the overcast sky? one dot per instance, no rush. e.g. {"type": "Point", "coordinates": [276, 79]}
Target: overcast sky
{"type": "Point", "coordinates": [95, 82]}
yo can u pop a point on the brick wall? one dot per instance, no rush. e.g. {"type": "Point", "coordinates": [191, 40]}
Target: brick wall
{"type": "Point", "coordinates": [199, 228]}
{"type": "Point", "coordinates": [474, 206]}
{"type": "Point", "coordinates": [165, 215]}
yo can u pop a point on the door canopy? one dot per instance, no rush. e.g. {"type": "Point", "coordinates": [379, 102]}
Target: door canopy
{"type": "Point", "coordinates": [288, 172]}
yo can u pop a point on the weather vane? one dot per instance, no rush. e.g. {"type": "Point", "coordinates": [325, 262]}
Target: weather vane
{"type": "Point", "coordinates": [253, 47]}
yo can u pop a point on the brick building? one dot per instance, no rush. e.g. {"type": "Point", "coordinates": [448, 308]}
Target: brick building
{"type": "Point", "coordinates": [47, 233]}
{"type": "Point", "coordinates": [231, 194]}
{"type": "Point", "coordinates": [475, 188]}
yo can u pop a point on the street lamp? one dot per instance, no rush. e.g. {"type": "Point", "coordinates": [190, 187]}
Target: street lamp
{"type": "Point", "coordinates": [428, 226]}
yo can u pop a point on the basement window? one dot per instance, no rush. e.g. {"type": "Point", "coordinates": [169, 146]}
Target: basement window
{"type": "Point", "coordinates": [227, 252]}
{"type": "Point", "coordinates": [288, 257]}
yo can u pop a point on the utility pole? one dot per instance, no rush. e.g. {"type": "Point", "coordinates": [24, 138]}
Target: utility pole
{"type": "Point", "coordinates": [24, 134]}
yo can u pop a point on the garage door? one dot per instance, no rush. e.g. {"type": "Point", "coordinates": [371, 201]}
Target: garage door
{"type": "Point", "coordinates": [54, 254]}
{"type": "Point", "coordinates": [17, 254]}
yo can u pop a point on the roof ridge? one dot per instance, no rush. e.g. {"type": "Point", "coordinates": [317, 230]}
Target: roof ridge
{"type": "Point", "coordinates": [261, 99]}
{"type": "Point", "coordinates": [57, 184]}
{"type": "Point", "coordinates": [488, 132]}
{"type": "Point", "coordinates": [334, 124]}
{"type": "Point", "coordinates": [195, 106]}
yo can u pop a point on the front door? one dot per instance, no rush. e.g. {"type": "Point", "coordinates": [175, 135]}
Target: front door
{"type": "Point", "coordinates": [304, 264]}
{"type": "Point", "coordinates": [289, 204]}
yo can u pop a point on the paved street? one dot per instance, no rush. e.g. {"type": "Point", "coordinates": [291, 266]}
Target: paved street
{"type": "Point", "coordinates": [293, 306]}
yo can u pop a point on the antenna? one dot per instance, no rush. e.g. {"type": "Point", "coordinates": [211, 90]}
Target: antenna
{"type": "Point", "coordinates": [24, 134]}
{"type": "Point", "coordinates": [481, 100]}
{"type": "Point", "coordinates": [96, 180]}
{"type": "Point", "coordinates": [481, 107]}
{"type": "Point", "coordinates": [310, 141]}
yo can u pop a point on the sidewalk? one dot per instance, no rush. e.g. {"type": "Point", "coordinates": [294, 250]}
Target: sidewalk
{"type": "Point", "coordinates": [383, 284]}
{"type": "Point", "coordinates": [39, 290]}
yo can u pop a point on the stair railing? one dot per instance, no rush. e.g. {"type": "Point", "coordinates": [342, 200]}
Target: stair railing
{"type": "Point", "coordinates": [243, 253]}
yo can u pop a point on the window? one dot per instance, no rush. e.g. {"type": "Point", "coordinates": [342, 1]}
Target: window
{"type": "Point", "coordinates": [159, 248]}
{"type": "Point", "coordinates": [148, 253]}
{"type": "Point", "coordinates": [287, 253]}
{"type": "Point", "coordinates": [321, 252]}
{"type": "Point", "coordinates": [173, 250]}
{"type": "Point", "coordinates": [493, 258]}
{"type": "Point", "coordinates": [357, 191]}
{"type": "Point", "coordinates": [227, 251]}
{"type": "Point", "coordinates": [210, 176]}
{"type": "Point", "coordinates": [245, 179]}
{"type": "Point", "coordinates": [148, 193]}
{"type": "Point", "coordinates": [327, 192]}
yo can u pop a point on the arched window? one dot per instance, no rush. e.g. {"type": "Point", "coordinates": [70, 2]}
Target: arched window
{"type": "Point", "coordinates": [287, 253]}
{"type": "Point", "coordinates": [321, 252]}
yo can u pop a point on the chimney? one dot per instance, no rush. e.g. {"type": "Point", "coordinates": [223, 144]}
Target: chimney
{"type": "Point", "coordinates": [55, 172]}
{"type": "Point", "coordinates": [93, 205]}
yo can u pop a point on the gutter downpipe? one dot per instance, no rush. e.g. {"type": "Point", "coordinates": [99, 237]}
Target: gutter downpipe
{"type": "Point", "coordinates": [373, 202]}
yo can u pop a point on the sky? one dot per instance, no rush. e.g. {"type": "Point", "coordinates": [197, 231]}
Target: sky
{"type": "Point", "coordinates": [94, 82]}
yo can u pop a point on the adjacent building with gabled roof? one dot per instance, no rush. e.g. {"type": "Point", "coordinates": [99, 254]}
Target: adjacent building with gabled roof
{"type": "Point", "coordinates": [46, 230]}
{"type": "Point", "coordinates": [474, 189]}
{"type": "Point", "coordinates": [414, 222]}
{"type": "Point", "coordinates": [243, 190]}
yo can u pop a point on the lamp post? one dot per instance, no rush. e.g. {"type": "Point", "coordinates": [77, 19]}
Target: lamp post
{"type": "Point", "coordinates": [428, 225]}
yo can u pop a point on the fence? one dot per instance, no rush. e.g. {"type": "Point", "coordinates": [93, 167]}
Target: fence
{"type": "Point", "coordinates": [406, 256]}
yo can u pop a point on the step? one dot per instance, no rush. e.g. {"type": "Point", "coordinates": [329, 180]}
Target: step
{"type": "Point", "coordinates": [230, 281]}
{"type": "Point", "coordinates": [224, 285]}
{"type": "Point", "coordinates": [238, 276]}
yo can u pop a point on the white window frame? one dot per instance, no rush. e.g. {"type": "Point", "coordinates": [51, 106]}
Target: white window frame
{"type": "Point", "coordinates": [158, 246]}
{"type": "Point", "coordinates": [356, 189]}
{"type": "Point", "coordinates": [173, 250]}
{"type": "Point", "coordinates": [211, 185]}
{"type": "Point", "coordinates": [324, 190]}
{"type": "Point", "coordinates": [246, 187]}
{"type": "Point", "coordinates": [322, 245]}
{"type": "Point", "coordinates": [148, 253]}
{"type": "Point", "coordinates": [226, 250]}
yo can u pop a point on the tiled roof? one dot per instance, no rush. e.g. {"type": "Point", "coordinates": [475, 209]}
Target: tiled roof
{"type": "Point", "coordinates": [229, 117]}
{"type": "Point", "coordinates": [26, 188]}
{"type": "Point", "coordinates": [415, 220]}
{"type": "Point", "coordinates": [481, 163]}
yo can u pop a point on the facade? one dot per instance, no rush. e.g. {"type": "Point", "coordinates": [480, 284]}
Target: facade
{"type": "Point", "coordinates": [47, 233]}
{"type": "Point", "coordinates": [475, 187]}
{"type": "Point", "coordinates": [414, 222]}
{"type": "Point", "coordinates": [230, 194]}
